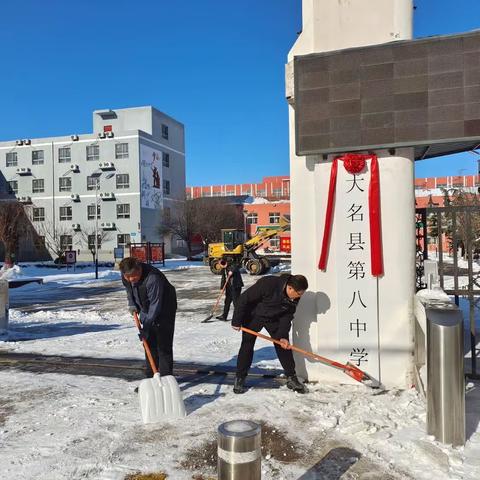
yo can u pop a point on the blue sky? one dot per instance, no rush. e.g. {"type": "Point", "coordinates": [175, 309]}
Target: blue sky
{"type": "Point", "coordinates": [215, 65]}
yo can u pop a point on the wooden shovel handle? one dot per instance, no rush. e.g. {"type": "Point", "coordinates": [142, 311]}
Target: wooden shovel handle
{"type": "Point", "coordinates": [145, 345]}
{"type": "Point", "coordinates": [221, 293]}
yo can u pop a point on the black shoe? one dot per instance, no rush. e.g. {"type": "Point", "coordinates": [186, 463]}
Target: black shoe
{"type": "Point", "coordinates": [239, 385]}
{"type": "Point", "coordinates": [221, 317]}
{"type": "Point", "coordinates": [293, 383]}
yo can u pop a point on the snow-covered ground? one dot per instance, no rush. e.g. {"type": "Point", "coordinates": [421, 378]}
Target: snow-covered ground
{"type": "Point", "coordinates": [59, 425]}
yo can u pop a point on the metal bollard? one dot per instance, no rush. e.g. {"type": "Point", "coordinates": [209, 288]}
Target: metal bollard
{"type": "Point", "coordinates": [239, 450]}
{"type": "Point", "coordinates": [3, 306]}
{"type": "Point", "coordinates": [445, 375]}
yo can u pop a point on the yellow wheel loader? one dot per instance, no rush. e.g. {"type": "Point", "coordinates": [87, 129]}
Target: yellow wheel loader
{"type": "Point", "coordinates": [234, 248]}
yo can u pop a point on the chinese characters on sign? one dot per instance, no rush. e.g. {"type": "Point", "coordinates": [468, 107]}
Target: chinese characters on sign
{"type": "Point", "coordinates": [357, 288]}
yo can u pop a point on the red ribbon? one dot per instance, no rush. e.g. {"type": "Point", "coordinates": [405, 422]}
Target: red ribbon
{"type": "Point", "coordinates": [352, 162]}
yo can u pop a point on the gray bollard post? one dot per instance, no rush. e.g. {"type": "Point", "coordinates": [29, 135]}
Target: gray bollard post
{"type": "Point", "coordinates": [239, 450]}
{"type": "Point", "coordinates": [3, 306]}
{"type": "Point", "coordinates": [445, 375]}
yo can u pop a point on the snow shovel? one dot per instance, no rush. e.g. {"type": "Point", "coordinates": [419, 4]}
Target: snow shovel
{"type": "Point", "coordinates": [214, 309]}
{"type": "Point", "coordinates": [348, 368]}
{"type": "Point", "coordinates": [160, 397]}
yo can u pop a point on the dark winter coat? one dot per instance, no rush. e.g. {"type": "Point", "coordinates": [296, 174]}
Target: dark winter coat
{"type": "Point", "coordinates": [267, 301]}
{"type": "Point", "coordinates": [154, 296]}
{"type": "Point", "coordinates": [235, 281]}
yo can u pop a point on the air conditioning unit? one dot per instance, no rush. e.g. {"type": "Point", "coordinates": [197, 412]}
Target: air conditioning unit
{"type": "Point", "coordinates": [101, 135]}
{"type": "Point", "coordinates": [74, 168]}
{"type": "Point", "coordinates": [107, 225]}
{"type": "Point", "coordinates": [76, 226]}
{"type": "Point", "coordinates": [75, 197]}
{"type": "Point", "coordinates": [74, 138]}
{"type": "Point", "coordinates": [106, 166]}
{"type": "Point", "coordinates": [27, 142]}
{"type": "Point", "coordinates": [24, 171]}
{"type": "Point", "coordinates": [107, 196]}
{"type": "Point", "coordinates": [25, 199]}
{"type": "Point", "coordinates": [19, 142]}
{"type": "Point", "coordinates": [110, 134]}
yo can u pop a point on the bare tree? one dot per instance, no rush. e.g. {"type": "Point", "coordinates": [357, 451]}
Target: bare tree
{"type": "Point", "coordinates": [467, 230]}
{"type": "Point", "coordinates": [89, 234]}
{"type": "Point", "coordinates": [54, 237]}
{"type": "Point", "coordinates": [14, 225]}
{"type": "Point", "coordinates": [202, 216]}
{"type": "Point", "coordinates": [180, 221]}
{"type": "Point", "coordinates": [214, 214]}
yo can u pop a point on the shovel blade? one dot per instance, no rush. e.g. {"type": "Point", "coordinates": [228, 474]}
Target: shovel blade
{"type": "Point", "coordinates": [160, 399]}
{"type": "Point", "coordinates": [207, 319]}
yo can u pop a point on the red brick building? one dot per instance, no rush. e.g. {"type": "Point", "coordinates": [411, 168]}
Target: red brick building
{"type": "Point", "coordinates": [269, 200]}
{"type": "Point", "coordinates": [270, 187]}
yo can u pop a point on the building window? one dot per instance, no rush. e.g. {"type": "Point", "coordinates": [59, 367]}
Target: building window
{"type": "Point", "coordinates": [441, 185]}
{"type": "Point", "coordinates": [65, 184]}
{"type": "Point", "coordinates": [91, 242]}
{"type": "Point", "coordinates": [38, 185]}
{"type": "Point", "coordinates": [37, 157]}
{"type": "Point", "coordinates": [12, 159]}
{"type": "Point", "coordinates": [91, 212]}
{"type": "Point", "coordinates": [64, 155]}
{"type": "Point", "coordinates": [65, 213]}
{"type": "Point", "coordinates": [274, 217]}
{"type": "Point", "coordinates": [277, 192]}
{"type": "Point", "coordinates": [66, 242]}
{"type": "Point", "coordinates": [123, 180]}
{"type": "Point", "coordinates": [91, 183]}
{"type": "Point", "coordinates": [123, 210]}
{"type": "Point", "coordinates": [123, 239]}
{"type": "Point", "coordinates": [39, 242]}
{"type": "Point", "coordinates": [246, 191]}
{"type": "Point", "coordinates": [252, 219]}
{"type": "Point", "coordinates": [93, 152]}
{"type": "Point", "coordinates": [166, 187]}
{"type": "Point", "coordinates": [261, 193]}
{"type": "Point", "coordinates": [121, 150]}
{"type": "Point", "coordinates": [275, 243]}
{"type": "Point", "coordinates": [12, 186]}
{"type": "Point", "coordinates": [165, 159]}
{"type": "Point", "coordinates": [230, 193]}
{"type": "Point", "coordinates": [165, 131]}
{"type": "Point", "coordinates": [180, 243]}
{"type": "Point", "coordinates": [38, 214]}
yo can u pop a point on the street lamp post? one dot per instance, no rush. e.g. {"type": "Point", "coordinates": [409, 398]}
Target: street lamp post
{"type": "Point", "coordinates": [97, 186]}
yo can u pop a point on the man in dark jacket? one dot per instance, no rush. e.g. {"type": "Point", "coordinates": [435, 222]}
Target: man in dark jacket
{"type": "Point", "coordinates": [232, 276]}
{"type": "Point", "coordinates": [152, 296]}
{"type": "Point", "coordinates": [270, 303]}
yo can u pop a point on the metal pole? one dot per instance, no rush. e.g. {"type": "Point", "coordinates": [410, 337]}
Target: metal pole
{"type": "Point", "coordinates": [96, 227]}
{"type": "Point", "coordinates": [239, 450]}
{"type": "Point", "coordinates": [445, 375]}
{"type": "Point", "coordinates": [3, 306]}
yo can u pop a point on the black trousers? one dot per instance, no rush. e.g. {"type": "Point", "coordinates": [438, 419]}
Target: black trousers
{"type": "Point", "coordinates": [231, 294]}
{"type": "Point", "coordinates": [160, 341]}
{"type": "Point", "coordinates": [245, 354]}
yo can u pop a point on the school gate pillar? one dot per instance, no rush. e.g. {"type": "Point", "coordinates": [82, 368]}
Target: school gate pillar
{"type": "Point", "coordinates": [348, 314]}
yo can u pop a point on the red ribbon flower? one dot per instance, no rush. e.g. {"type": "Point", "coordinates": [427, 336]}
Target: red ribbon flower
{"type": "Point", "coordinates": [354, 163]}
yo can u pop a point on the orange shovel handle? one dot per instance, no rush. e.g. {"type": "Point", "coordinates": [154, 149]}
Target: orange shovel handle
{"type": "Point", "coordinates": [349, 369]}
{"type": "Point", "coordinates": [145, 345]}
{"type": "Point", "coordinates": [221, 293]}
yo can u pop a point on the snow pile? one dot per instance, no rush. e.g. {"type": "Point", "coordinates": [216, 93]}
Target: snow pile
{"type": "Point", "coordinates": [10, 273]}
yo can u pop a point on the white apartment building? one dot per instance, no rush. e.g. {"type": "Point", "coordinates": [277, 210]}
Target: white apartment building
{"type": "Point", "coordinates": [131, 169]}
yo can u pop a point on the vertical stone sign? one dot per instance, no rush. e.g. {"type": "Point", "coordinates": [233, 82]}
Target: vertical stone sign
{"type": "Point", "coordinates": [357, 287]}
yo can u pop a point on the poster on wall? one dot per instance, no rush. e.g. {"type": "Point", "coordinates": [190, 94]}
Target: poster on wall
{"type": "Point", "coordinates": [151, 179]}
